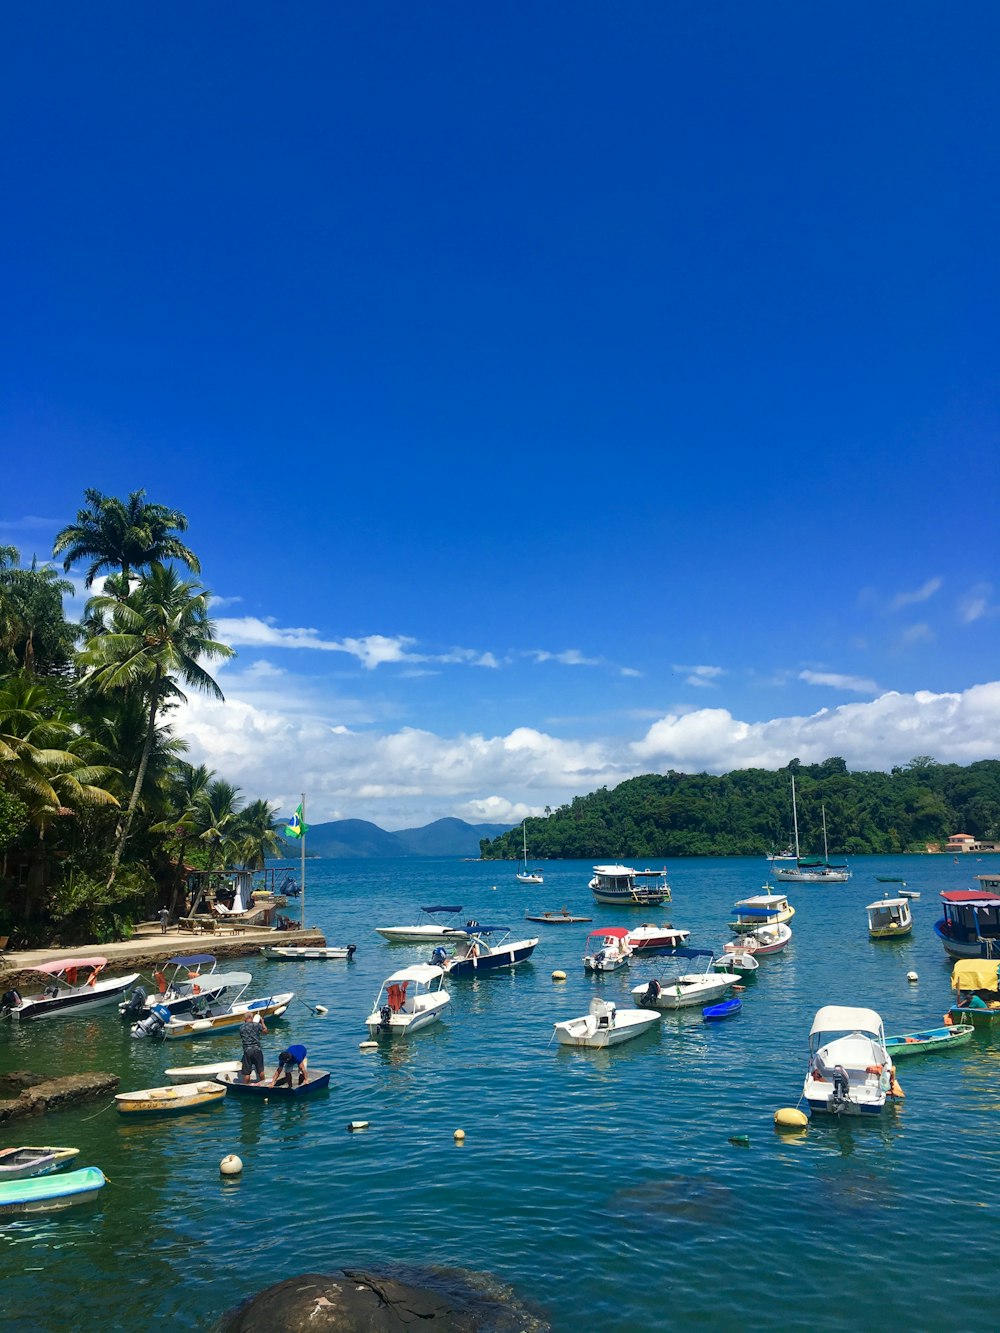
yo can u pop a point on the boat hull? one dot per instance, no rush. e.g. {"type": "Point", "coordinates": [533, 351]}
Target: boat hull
{"type": "Point", "coordinates": [178, 1029]}
{"type": "Point", "coordinates": [980, 1018]}
{"type": "Point", "coordinates": [416, 934]}
{"type": "Point", "coordinates": [640, 896]}
{"type": "Point", "coordinates": [685, 992]}
{"type": "Point", "coordinates": [46, 1194]}
{"type": "Point", "coordinates": [629, 1023]}
{"type": "Point", "coordinates": [175, 1100]}
{"type": "Point", "coordinates": [985, 947]}
{"type": "Point", "coordinates": [79, 999]}
{"type": "Point", "coordinates": [501, 957]}
{"type": "Point", "coordinates": [557, 919]}
{"type": "Point", "coordinates": [292, 952]}
{"type": "Point", "coordinates": [319, 1081]}
{"type": "Point", "coordinates": [923, 1043]}
{"type": "Point", "coordinates": [199, 1073]}
{"type": "Point", "coordinates": [811, 876]}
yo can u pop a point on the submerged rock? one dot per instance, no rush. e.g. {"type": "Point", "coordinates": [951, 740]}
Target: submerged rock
{"type": "Point", "coordinates": [355, 1300]}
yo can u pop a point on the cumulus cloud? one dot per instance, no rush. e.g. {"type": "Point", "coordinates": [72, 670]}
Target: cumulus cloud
{"type": "Point", "coordinates": [569, 657]}
{"type": "Point", "coordinates": [920, 594]}
{"type": "Point", "coordinates": [834, 680]}
{"type": "Point", "coordinates": [702, 676]}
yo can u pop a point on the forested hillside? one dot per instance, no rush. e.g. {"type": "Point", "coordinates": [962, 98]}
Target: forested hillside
{"type": "Point", "coordinates": [749, 812]}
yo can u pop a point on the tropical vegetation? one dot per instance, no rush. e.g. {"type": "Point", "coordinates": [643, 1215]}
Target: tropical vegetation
{"type": "Point", "coordinates": [748, 813]}
{"type": "Point", "coordinates": [101, 816]}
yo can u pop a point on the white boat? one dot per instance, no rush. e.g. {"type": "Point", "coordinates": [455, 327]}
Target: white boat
{"type": "Point", "coordinates": [201, 1073]}
{"type": "Point", "coordinates": [850, 1072]}
{"type": "Point", "coordinates": [482, 949]}
{"type": "Point", "coordinates": [763, 909]}
{"type": "Point", "coordinates": [606, 949]}
{"type": "Point", "coordinates": [889, 919]}
{"type": "Point", "coordinates": [616, 884]}
{"type": "Point", "coordinates": [64, 993]}
{"type": "Point", "coordinates": [739, 962]}
{"type": "Point", "coordinates": [687, 989]}
{"type": "Point", "coordinates": [524, 875]}
{"type": "Point", "coordinates": [761, 941]}
{"type": "Point", "coordinates": [650, 938]}
{"type": "Point", "coordinates": [604, 1025]}
{"type": "Point", "coordinates": [171, 1100]}
{"type": "Point", "coordinates": [183, 988]}
{"type": "Point", "coordinates": [444, 923]}
{"type": "Point", "coordinates": [811, 870]}
{"type": "Point", "coordinates": [204, 1020]}
{"type": "Point", "coordinates": [291, 952]}
{"type": "Point", "coordinates": [409, 1000]}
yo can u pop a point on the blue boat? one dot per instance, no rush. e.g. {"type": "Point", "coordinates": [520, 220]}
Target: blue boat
{"type": "Point", "coordinates": [715, 1013]}
{"type": "Point", "coordinates": [319, 1081]}
{"type": "Point", "coordinates": [481, 948]}
{"type": "Point", "coordinates": [44, 1194]}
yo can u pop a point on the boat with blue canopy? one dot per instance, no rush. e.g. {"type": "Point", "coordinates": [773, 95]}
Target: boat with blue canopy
{"type": "Point", "coordinates": [763, 909]}
{"type": "Point", "coordinates": [686, 989]}
{"type": "Point", "coordinates": [443, 924]}
{"type": "Point", "coordinates": [179, 984]}
{"type": "Point", "coordinates": [480, 948]}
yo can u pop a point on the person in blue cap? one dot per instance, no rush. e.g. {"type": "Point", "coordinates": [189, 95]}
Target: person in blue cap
{"type": "Point", "coordinates": [288, 1060]}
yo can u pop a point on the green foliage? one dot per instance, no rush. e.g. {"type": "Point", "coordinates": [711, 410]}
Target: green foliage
{"type": "Point", "coordinates": [748, 813]}
{"type": "Point", "coordinates": [84, 910]}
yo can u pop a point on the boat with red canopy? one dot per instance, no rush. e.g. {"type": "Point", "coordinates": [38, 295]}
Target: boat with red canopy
{"type": "Point", "coordinates": [970, 926]}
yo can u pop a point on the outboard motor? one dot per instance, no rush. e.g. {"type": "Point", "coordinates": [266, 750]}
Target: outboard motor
{"type": "Point", "coordinates": [652, 991]}
{"type": "Point", "coordinates": [10, 1000]}
{"type": "Point", "coordinates": [840, 1099]}
{"type": "Point", "coordinates": [439, 957]}
{"type": "Point", "coordinates": [136, 1005]}
{"type": "Point", "coordinates": [153, 1024]}
{"type": "Point", "coordinates": [385, 1014]}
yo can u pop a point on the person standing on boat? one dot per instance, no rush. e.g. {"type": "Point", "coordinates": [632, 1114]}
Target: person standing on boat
{"type": "Point", "coordinates": [294, 1056]}
{"type": "Point", "coordinates": [251, 1030]}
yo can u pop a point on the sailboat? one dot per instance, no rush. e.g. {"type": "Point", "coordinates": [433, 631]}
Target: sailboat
{"type": "Point", "coordinates": [524, 875]}
{"type": "Point", "coordinates": [811, 870]}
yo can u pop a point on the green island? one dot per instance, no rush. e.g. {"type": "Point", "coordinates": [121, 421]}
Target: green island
{"type": "Point", "coordinates": [101, 817]}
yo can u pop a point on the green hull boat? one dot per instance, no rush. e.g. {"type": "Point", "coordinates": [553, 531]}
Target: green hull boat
{"type": "Point", "coordinates": [935, 1039]}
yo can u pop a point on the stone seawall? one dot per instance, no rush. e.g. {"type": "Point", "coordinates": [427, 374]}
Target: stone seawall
{"type": "Point", "coordinates": [36, 1095]}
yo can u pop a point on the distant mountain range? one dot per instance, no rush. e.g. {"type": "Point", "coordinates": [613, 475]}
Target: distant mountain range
{"type": "Point", "coordinates": [357, 837]}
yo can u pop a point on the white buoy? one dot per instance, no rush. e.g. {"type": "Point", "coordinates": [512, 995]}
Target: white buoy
{"type": "Point", "coordinates": [912, 976]}
{"type": "Point", "coordinates": [231, 1165]}
{"type": "Point", "coordinates": [558, 976]}
{"type": "Point", "coordinates": [368, 1046]}
{"type": "Point", "coordinates": [459, 1135]}
{"type": "Point", "coordinates": [322, 1009]}
{"type": "Point", "coordinates": [355, 1125]}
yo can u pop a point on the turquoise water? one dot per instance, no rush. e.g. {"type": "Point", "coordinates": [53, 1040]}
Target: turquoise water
{"type": "Point", "coordinates": [600, 1185]}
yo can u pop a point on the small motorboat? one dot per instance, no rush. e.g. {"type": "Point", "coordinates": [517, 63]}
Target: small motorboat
{"type": "Point", "coordinates": [850, 1071]}
{"type": "Point", "coordinates": [444, 921]}
{"type": "Point", "coordinates": [889, 919]}
{"type": "Point", "coordinates": [294, 952]}
{"type": "Point", "coordinates": [482, 949]}
{"type": "Point", "coordinates": [934, 1039]}
{"type": "Point", "coordinates": [686, 990]}
{"type": "Point", "coordinates": [715, 1013]}
{"type": "Point", "coordinates": [890, 879]}
{"type": "Point", "coordinates": [172, 1100]}
{"type": "Point", "coordinates": [606, 949]}
{"type": "Point", "coordinates": [738, 962]}
{"type": "Point", "coordinates": [409, 1000]}
{"type": "Point", "coordinates": [762, 941]}
{"type": "Point", "coordinates": [909, 893]}
{"type": "Point", "coordinates": [206, 1019]}
{"type": "Point", "coordinates": [648, 938]}
{"type": "Point", "coordinates": [604, 1025]}
{"type": "Point", "coordinates": [318, 1081]}
{"type": "Point", "coordinates": [976, 983]}
{"type": "Point", "coordinates": [24, 1163]}
{"type": "Point", "coordinates": [560, 918]}
{"type": "Point", "coordinates": [180, 986]}
{"type": "Point", "coordinates": [199, 1073]}
{"type": "Point", "coordinates": [45, 1194]}
{"type": "Point", "coordinates": [73, 985]}
{"type": "Point", "coordinates": [763, 909]}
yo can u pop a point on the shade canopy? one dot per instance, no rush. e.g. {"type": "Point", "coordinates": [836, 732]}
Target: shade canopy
{"type": "Point", "coordinates": [840, 1018]}
{"type": "Point", "coordinates": [423, 973]}
{"type": "Point", "coordinates": [612, 932]}
{"type": "Point", "coordinates": [440, 909]}
{"type": "Point", "coordinates": [972, 897]}
{"type": "Point", "coordinates": [974, 974]}
{"type": "Point", "coordinates": [190, 960]}
{"type": "Point", "coordinates": [64, 964]}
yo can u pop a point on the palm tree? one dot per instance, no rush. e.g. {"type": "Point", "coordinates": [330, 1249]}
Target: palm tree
{"type": "Point", "coordinates": [127, 535]}
{"type": "Point", "coordinates": [156, 637]}
{"type": "Point", "coordinates": [258, 835]}
{"type": "Point", "coordinates": [216, 820]}
{"type": "Point", "coordinates": [185, 797]}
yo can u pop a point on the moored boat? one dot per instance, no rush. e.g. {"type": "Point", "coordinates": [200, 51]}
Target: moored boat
{"type": "Point", "coordinates": [649, 938]}
{"type": "Point", "coordinates": [481, 948]}
{"type": "Point", "coordinates": [200, 1073]}
{"type": "Point", "coordinates": [561, 918]}
{"type": "Point", "coordinates": [318, 1081]}
{"type": "Point", "coordinates": [934, 1039]}
{"type": "Point", "coordinates": [970, 926]}
{"type": "Point", "coordinates": [716, 1013]}
{"type": "Point", "coordinates": [850, 1072]}
{"type": "Point", "coordinates": [615, 884]}
{"type": "Point", "coordinates": [208, 1019]}
{"type": "Point", "coordinates": [604, 1025]}
{"type": "Point", "coordinates": [46, 1194]}
{"type": "Point", "coordinates": [763, 909]}
{"type": "Point", "coordinates": [685, 990]}
{"type": "Point", "coordinates": [524, 875]}
{"type": "Point", "coordinates": [739, 962]}
{"type": "Point", "coordinates": [606, 949]}
{"type": "Point", "coordinates": [443, 921]}
{"type": "Point", "coordinates": [299, 952]}
{"type": "Point", "coordinates": [889, 919]}
{"type": "Point", "coordinates": [64, 993]}
{"type": "Point", "coordinates": [976, 983]}
{"type": "Point", "coordinates": [180, 995]}
{"type": "Point", "coordinates": [408, 1001]}
{"type": "Point", "coordinates": [24, 1163]}
{"type": "Point", "coordinates": [763, 941]}
{"type": "Point", "coordinates": [172, 1100]}
{"type": "Point", "coordinates": [811, 870]}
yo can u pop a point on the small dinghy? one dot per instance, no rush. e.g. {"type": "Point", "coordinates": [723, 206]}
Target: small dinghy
{"type": "Point", "coordinates": [297, 952]}
{"type": "Point", "coordinates": [172, 1100]}
{"type": "Point", "coordinates": [45, 1194]}
{"type": "Point", "coordinates": [935, 1039]}
{"type": "Point", "coordinates": [23, 1163]}
{"type": "Point", "coordinates": [737, 962]}
{"type": "Point", "coordinates": [199, 1073]}
{"type": "Point", "coordinates": [605, 1025]}
{"type": "Point", "coordinates": [319, 1081]}
{"type": "Point", "coordinates": [715, 1013]}
{"type": "Point", "coordinates": [561, 918]}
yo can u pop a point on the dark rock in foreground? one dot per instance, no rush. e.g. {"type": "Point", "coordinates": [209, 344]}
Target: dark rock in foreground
{"type": "Point", "coordinates": [355, 1300]}
{"type": "Point", "coordinates": [38, 1095]}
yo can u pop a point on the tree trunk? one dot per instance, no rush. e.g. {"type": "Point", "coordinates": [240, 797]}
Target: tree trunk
{"type": "Point", "coordinates": [139, 779]}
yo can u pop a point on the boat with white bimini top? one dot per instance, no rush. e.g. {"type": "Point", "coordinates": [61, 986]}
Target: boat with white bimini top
{"type": "Point", "coordinates": [409, 1000]}
{"type": "Point", "coordinates": [850, 1072]}
{"type": "Point", "coordinates": [647, 938]}
{"type": "Point", "coordinates": [606, 949]}
{"type": "Point", "coordinates": [604, 1025]}
{"type": "Point", "coordinates": [206, 1019]}
{"type": "Point", "coordinates": [443, 923]}
{"type": "Point", "coordinates": [298, 952]}
{"type": "Point", "coordinates": [178, 993]}
{"type": "Point", "coordinates": [524, 875]}
{"type": "Point", "coordinates": [64, 993]}
{"type": "Point", "coordinates": [687, 989]}
{"type": "Point", "coordinates": [616, 885]}
{"type": "Point", "coordinates": [763, 909]}
{"type": "Point", "coordinates": [482, 949]}
{"type": "Point", "coordinates": [889, 919]}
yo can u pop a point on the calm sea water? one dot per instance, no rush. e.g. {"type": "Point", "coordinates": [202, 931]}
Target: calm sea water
{"type": "Point", "coordinates": [601, 1185]}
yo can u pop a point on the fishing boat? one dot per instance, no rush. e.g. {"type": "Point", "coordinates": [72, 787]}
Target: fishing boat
{"type": "Point", "coordinates": [810, 870]}
{"type": "Point", "coordinates": [318, 1081]}
{"type": "Point", "coordinates": [444, 920]}
{"type": "Point", "coordinates": [299, 952]}
{"type": "Point", "coordinates": [482, 949]}
{"type": "Point", "coordinates": [199, 1073]}
{"type": "Point", "coordinates": [889, 919]}
{"type": "Point", "coordinates": [687, 989]}
{"type": "Point", "coordinates": [606, 949]}
{"type": "Point", "coordinates": [181, 996]}
{"type": "Point", "coordinates": [604, 1025]}
{"type": "Point", "coordinates": [716, 1013]}
{"type": "Point", "coordinates": [46, 1194]}
{"type": "Point", "coordinates": [172, 1100]}
{"type": "Point", "coordinates": [850, 1072]}
{"type": "Point", "coordinates": [976, 985]}
{"type": "Point", "coordinates": [615, 884]}
{"type": "Point", "coordinates": [970, 926]}
{"type": "Point", "coordinates": [763, 909]}
{"type": "Point", "coordinates": [205, 1020]}
{"type": "Point", "coordinates": [934, 1039]}
{"type": "Point", "coordinates": [23, 1163]}
{"type": "Point", "coordinates": [648, 938]}
{"type": "Point", "coordinates": [561, 918]}
{"type": "Point", "coordinates": [65, 992]}
{"type": "Point", "coordinates": [741, 963]}
{"type": "Point", "coordinates": [524, 875]}
{"type": "Point", "coordinates": [409, 1000]}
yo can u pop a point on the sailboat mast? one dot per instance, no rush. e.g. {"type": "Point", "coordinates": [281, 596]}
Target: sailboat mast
{"type": "Point", "coordinates": [795, 819]}
{"type": "Point", "coordinates": [302, 840]}
{"type": "Point", "coordinates": [826, 854]}
{"type": "Point", "coordinates": [524, 839]}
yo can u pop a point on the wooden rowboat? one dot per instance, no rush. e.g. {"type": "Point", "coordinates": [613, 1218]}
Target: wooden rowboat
{"type": "Point", "coordinates": [199, 1073]}
{"type": "Point", "coordinates": [23, 1163]}
{"type": "Point", "coordinates": [563, 918]}
{"type": "Point", "coordinates": [44, 1194]}
{"type": "Point", "coordinates": [319, 1081]}
{"type": "Point", "coordinates": [172, 1100]}
{"type": "Point", "coordinates": [935, 1039]}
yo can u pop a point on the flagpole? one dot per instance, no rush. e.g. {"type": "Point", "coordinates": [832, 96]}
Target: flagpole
{"type": "Point", "coordinates": [302, 918]}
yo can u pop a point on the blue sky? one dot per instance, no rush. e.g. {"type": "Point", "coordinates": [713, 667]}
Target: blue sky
{"type": "Point", "coordinates": [556, 393]}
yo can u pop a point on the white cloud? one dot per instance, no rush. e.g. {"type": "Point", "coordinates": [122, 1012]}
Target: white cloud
{"type": "Point", "coordinates": [976, 604]}
{"type": "Point", "coordinates": [920, 594]}
{"type": "Point", "coordinates": [702, 676]}
{"type": "Point", "coordinates": [919, 633]}
{"type": "Point", "coordinates": [833, 680]}
{"type": "Point", "coordinates": [372, 650]}
{"type": "Point", "coordinates": [569, 657]}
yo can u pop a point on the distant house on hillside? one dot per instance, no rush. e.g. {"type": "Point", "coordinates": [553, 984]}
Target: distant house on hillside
{"type": "Point", "coordinates": [960, 842]}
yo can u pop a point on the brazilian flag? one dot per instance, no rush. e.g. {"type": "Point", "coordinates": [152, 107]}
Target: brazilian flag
{"type": "Point", "coordinates": [296, 827]}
